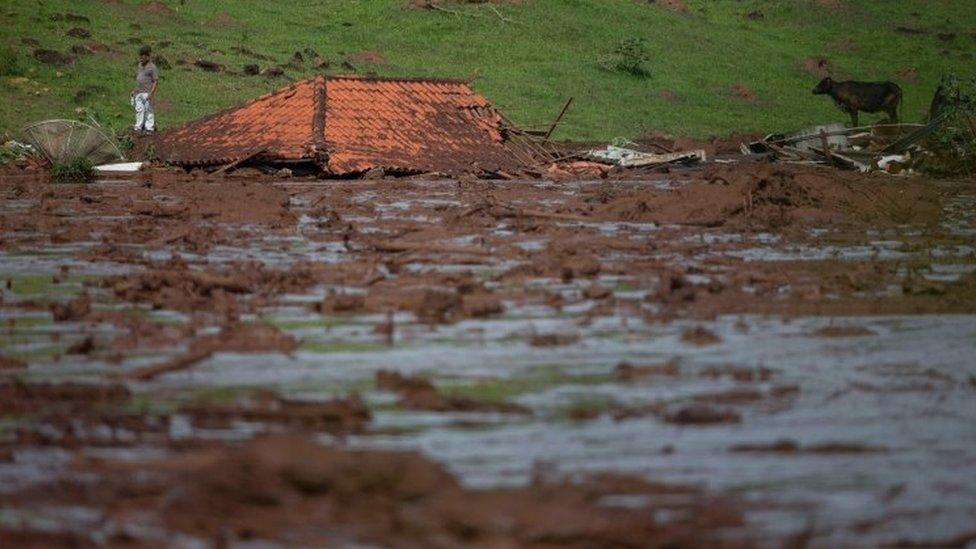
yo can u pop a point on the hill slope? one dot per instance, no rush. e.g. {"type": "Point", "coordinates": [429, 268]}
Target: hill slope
{"type": "Point", "coordinates": [712, 69]}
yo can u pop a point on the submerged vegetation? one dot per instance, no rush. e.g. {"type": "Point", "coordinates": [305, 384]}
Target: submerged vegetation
{"type": "Point", "coordinates": [78, 170]}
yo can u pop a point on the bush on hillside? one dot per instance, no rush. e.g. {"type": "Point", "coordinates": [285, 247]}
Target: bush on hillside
{"type": "Point", "coordinates": [951, 151]}
{"type": "Point", "coordinates": [10, 62]}
{"type": "Point", "coordinates": [629, 56]}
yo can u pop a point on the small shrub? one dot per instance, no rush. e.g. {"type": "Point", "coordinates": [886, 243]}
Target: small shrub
{"type": "Point", "coordinates": [79, 170]}
{"type": "Point", "coordinates": [629, 56]}
{"type": "Point", "coordinates": [10, 62]}
{"type": "Point", "coordinates": [125, 143]}
{"type": "Point", "coordinates": [7, 155]}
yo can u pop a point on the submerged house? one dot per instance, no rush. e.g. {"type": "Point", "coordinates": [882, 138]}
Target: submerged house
{"type": "Point", "coordinates": [347, 125]}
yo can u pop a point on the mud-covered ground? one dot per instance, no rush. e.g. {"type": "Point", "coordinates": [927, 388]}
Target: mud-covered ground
{"type": "Point", "coordinates": [733, 355]}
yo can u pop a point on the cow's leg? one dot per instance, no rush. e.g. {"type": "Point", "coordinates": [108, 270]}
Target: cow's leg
{"type": "Point", "coordinates": [853, 117]}
{"type": "Point", "coordinates": [893, 114]}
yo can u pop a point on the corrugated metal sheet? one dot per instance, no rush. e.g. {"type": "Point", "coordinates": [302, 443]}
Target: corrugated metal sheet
{"type": "Point", "coordinates": [403, 124]}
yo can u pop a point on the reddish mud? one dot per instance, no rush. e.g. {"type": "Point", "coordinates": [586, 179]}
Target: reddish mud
{"type": "Point", "coordinates": [791, 446]}
{"type": "Point", "coordinates": [233, 337]}
{"type": "Point", "coordinates": [700, 336]}
{"type": "Point", "coordinates": [701, 415]}
{"type": "Point", "coordinates": [166, 208]}
{"type": "Point", "coordinates": [157, 7]}
{"type": "Point", "coordinates": [717, 145]}
{"type": "Point", "coordinates": [201, 311]}
{"type": "Point", "coordinates": [291, 490]}
{"type": "Point", "coordinates": [626, 371]}
{"type": "Point", "coordinates": [338, 416]}
{"type": "Point", "coordinates": [10, 363]}
{"type": "Point", "coordinates": [677, 6]}
{"type": "Point", "coordinates": [768, 196]}
{"type": "Point", "coordinates": [819, 66]}
{"type": "Point", "coordinates": [63, 398]}
{"type": "Point", "coordinates": [907, 74]}
{"type": "Point", "coordinates": [740, 91]}
{"type": "Point", "coordinates": [223, 19]}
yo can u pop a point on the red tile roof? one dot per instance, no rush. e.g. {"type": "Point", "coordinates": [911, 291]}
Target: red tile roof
{"type": "Point", "coordinates": [350, 124]}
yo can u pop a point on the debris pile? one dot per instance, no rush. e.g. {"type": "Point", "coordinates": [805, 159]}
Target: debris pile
{"type": "Point", "coordinates": [944, 145]}
{"type": "Point", "coordinates": [891, 148]}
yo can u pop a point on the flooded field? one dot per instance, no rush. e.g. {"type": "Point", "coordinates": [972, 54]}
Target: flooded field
{"type": "Point", "coordinates": [740, 355]}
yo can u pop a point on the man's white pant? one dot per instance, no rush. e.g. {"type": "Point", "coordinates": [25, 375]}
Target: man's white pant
{"type": "Point", "coordinates": [145, 115]}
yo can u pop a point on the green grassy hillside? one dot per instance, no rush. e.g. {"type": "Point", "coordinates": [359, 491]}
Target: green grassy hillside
{"type": "Point", "coordinates": [527, 56]}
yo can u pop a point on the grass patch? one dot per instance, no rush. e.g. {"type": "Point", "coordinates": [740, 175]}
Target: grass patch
{"type": "Point", "coordinates": [44, 353]}
{"type": "Point", "coordinates": [10, 62]}
{"type": "Point", "coordinates": [45, 285]}
{"type": "Point", "coordinates": [325, 347]}
{"type": "Point", "coordinates": [148, 404]}
{"type": "Point", "coordinates": [528, 68]}
{"type": "Point", "coordinates": [223, 395]}
{"type": "Point", "coordinates": [505, 389]}
{"type": "Point", "coordinates": [323, 322]}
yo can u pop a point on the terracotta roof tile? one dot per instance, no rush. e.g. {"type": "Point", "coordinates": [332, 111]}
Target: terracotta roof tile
{"type": "Point", "coordinates": [280, 122]}
{"type": "Point", "coordinates": [400, 124]}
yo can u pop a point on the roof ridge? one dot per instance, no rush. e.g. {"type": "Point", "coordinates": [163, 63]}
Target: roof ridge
{"type": "Point", "coordinates": [319, 100]}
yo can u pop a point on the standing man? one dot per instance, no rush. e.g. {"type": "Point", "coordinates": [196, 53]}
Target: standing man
{"type": "Point", "coordinates": [144, 94]}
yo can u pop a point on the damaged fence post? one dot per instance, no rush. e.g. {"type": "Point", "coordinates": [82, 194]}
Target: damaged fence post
{"type": "Point", "coordinates": [826, 145]}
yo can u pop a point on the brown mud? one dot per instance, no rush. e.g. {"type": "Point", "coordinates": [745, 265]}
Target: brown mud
{"type": "Point", "coordinates": [199, 331]}
{"type": "Point", "coordinates": [288, 488]}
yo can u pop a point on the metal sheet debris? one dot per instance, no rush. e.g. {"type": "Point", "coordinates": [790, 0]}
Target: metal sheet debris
{"type": "Point", "coordinates": [630, 158]}
{"type": "Point", "coordinates": [123, 167]}
{"type": "Point", "coordinates": [62, 141]}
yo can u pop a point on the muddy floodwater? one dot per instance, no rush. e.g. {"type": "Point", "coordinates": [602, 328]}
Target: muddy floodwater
{"type": "Point", "coordinates": [736, 355]}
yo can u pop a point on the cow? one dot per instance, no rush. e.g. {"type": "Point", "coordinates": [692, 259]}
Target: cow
{"type": "Point", "coordinates": [852, 96]}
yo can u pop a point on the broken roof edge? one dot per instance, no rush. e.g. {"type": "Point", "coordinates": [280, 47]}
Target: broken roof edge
{"type": "Point", "coordinates": [259, 158]}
